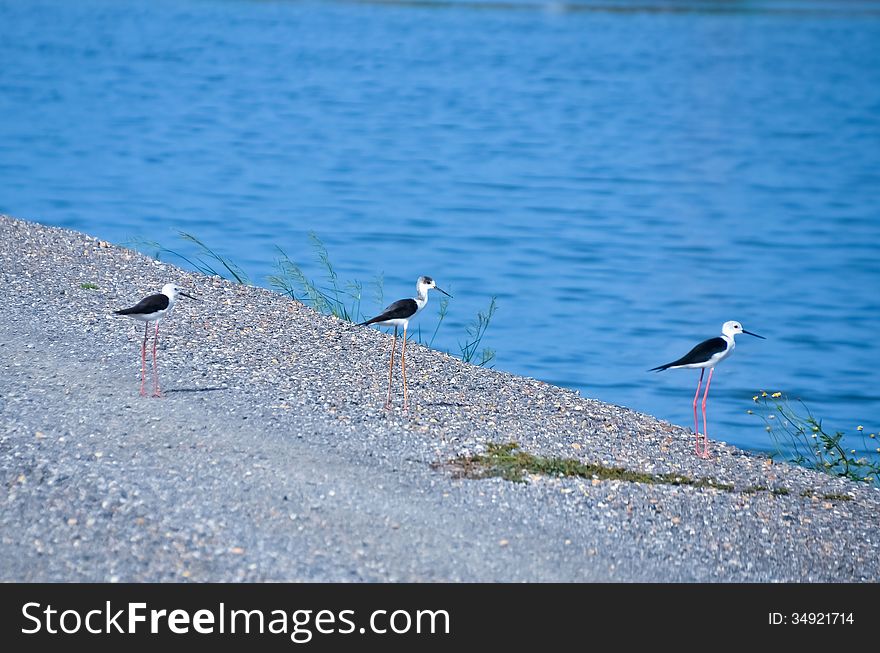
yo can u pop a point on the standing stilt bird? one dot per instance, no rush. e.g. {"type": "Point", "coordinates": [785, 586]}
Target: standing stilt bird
{"type": "Point", "coordinates": [707, 354]}
{"type": "Point", "coordinates": [153, 309]}
{"type": "Point", "coordinates": [397, 315]}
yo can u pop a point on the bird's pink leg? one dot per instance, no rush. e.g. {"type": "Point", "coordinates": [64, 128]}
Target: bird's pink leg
{"type": "Point", "coordinates": [391, 370]}
{"type": "Point", "coordinates": [144, 361]}
{"type": "Point", "coordinates": [156, 391]}
{"type": "Point", "coordinates": [696, 423]}
{"type": "Point", "coordinates": [705, 453]}
{"type": "Point", "coordinates": [403, 367]}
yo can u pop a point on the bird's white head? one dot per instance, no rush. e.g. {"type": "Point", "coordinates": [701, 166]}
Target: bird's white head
{"type": "Point", "coordinates": [732, 327]}
{"type": "Point", "coordinates": [171, 291]}
{"type": "Point", "coordinates": [424, 284]}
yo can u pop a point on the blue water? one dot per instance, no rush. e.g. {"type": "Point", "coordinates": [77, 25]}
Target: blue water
{"type": "Point", "coordinates": [624, 176]}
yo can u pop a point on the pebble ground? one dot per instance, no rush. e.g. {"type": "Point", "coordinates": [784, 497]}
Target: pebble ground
{"type": "Point", "coordinates": [270, 458]}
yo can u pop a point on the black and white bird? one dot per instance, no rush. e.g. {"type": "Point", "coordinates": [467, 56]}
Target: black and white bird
{"type": "Point", "coordinates": [398, 315]}
{"type": "Point", "coordinates": [707, 354]}
{"type": "Point", "coordinates": [153, 309]}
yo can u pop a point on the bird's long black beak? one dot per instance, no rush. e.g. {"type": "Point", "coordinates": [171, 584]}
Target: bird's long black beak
{"type": "Point", "coordinates": [754, 334]}
{"type": "Point", "coordinates": [443, 291]}
{"type": "Point", "coordinates": [183, 294]}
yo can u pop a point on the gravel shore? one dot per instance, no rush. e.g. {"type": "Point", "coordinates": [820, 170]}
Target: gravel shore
{"type": "Point", "coordinates": [271, 458]}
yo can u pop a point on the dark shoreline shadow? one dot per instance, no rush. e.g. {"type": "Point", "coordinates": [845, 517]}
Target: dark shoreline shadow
{"type": "Point", "coordinates": [211, 389]}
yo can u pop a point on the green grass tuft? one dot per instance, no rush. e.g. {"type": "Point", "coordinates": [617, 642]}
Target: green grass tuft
{"type": "Point", "coordinates": [511, 463]}
{"type": "Point", "coordinates": [802, 439]}
{"type": "Point", "coordinates": [830, 496]}
{"type": "Point", "coordinates": [207, 260]}
{"type": "Point", "coordinates": [470, 349]}
{"type": "Point", "coordinates": [331, 298]}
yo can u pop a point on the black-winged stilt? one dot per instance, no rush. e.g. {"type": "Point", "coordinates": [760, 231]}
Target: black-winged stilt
{"type": "Point", "coordinates": [153, 309]}
{"type": "Point", "coordinates": [707, 354]}
{"type": "Point", "coordinates": [399, 314]}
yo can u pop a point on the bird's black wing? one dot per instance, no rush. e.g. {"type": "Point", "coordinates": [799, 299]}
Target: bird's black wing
{"type": "Point", "coordinates": [399, 310]}
{"type": "Point", "coordinates": [699, 354]}
{"type": "Point", "coordinates": [147, 305]}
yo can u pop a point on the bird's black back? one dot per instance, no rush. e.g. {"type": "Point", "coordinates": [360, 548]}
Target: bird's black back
{"type": "Point", "coordinates": [699, 354]}
{"type": "Point", "coordinates": [399, 310]}
{"type": "Point", "coordinates": [151, 304]}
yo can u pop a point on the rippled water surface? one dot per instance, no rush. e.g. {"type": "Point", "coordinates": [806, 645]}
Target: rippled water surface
{"type": "Point", "coordinates": [624, 176]}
